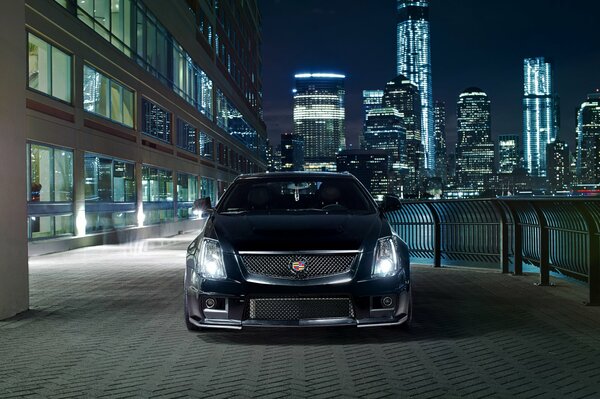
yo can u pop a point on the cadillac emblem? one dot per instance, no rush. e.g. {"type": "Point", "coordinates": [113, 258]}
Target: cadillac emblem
{"type": "Point", "coordinates": [298, 266]}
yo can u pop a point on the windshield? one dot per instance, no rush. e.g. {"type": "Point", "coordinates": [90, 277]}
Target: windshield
{"type": "Point", "coordinates": [293, 195]}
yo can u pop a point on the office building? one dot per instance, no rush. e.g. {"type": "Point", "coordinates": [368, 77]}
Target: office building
{"type": "Point", "coordinates": [540, 116]}
{"type": "Point", "coordinates": [414, 62]}
{"type": "Point", "coordinates": [475, 149]}
{"type": "Point", "coordinates": [558, 172]}
{"type": "Point", "coordinates": [403, 95]}
{"type": "Point", "coordinates": [371, 167]}
{"type": "Point", "coordinates": [386, 132]}
{"type": "Point", "coordinates": [371, 100]}
{"type": "Point", "coordinates": [439, 124]}
{"type": "Point", "coordinates": [509, 153]}
{"type": "Point", "coordinates": [319, 118]}
{"type": "Point", "coordinates": [117, 115]}
{"type": "Point", "coordinates": [292, 152]}
{"type": "Point", "coordinates": [588, 140]}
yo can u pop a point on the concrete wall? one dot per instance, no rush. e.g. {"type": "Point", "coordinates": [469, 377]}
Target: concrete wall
{"type": "Point", "coordinates": [14, 291]}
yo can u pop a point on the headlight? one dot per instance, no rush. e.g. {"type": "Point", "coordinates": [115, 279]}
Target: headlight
{"type": "Point", "coordinates": [210, 260]}
{"type": "Point", "coordinates": [385, 261]}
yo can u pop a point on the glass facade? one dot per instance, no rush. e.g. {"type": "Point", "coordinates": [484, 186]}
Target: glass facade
{"type": "Point", "coordinates": [156, 121]}
{"type": "Point", "coordinates": [414, 62]}
{"type": "Point", "coordinates": [403, 95]}
{"type": "Point", "coordinates": [105, 97]}
{"type": "Point", "coordinates": [49, 69]}
{"type": "Point", "coordinates": [319, 118]}
{"type": "Point", "coordinates": [588, 141]}
{"type": "Point", "coordinates": [206, 144]}
{"type": "Point", "coordinates": [508, 153]}
{"type": "Point", "coordinates": [386, 132]}
{"type": "Point", "coordinates": [230, 119]}
{"type": "Point", "coordinates": [50, 191]}
{"type": "Point", "coordinates": [157, 187]}
{"type": "Point", "coordinates": [208, 189]}
{"type": "Point", "coordinates": [475, 149]}
{"type": "Point", "coordinates": [110, 193]}
{"type": "Point", "coordinates": [132, 28]}
{"type": "Point", "coordinates": [439, 124]}
{"type": "Point", "coordinates": [186, 136]}
{"type": "Point", "coordinates": [187, 193]}
{"type": "Point", "coordinates": [540, 117]}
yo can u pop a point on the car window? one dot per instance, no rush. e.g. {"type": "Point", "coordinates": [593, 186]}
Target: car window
{"type": "Point", "coordinates": [292, 195]}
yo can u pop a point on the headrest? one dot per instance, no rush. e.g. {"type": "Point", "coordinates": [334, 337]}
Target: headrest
{"type": "Point", "coordinates": [258, 197]}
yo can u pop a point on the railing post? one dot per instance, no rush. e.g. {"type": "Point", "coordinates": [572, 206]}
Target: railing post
{"type": "Point", "coordinates": [544, 247]}
{"type": "Point", "coordinates": [437, 236]}
{"type": "Point", "coordinates": [517, 240]}
{"type": "Point", "coordinates": [593, 255]}
{"type": "Point", "coordinates": [503, 236]}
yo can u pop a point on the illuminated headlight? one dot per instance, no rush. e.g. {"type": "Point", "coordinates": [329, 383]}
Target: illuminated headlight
{"type": "Point", "coordinates": [210, 260]}
{"type": "Point", "coordinates": [385, 262]}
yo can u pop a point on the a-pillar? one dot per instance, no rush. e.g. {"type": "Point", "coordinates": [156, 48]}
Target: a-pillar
{"type": "Point", "coordinates": [14, 273]}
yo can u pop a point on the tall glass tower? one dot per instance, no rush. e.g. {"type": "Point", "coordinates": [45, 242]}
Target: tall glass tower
{"type": "Point", "coordinates": [475, 149]}
{"type": "Point", "coordinates": [414, 62]}
{"type": "Point", "coordinates": [402, 94]}
{"type": "Point", "coordinates": [588, 140]}
{"type": "Point", "coordinates": [319, 118]}
{"type": "Point", "coordinates": [540, 117]}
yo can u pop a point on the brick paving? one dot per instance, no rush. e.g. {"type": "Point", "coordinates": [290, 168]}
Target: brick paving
{"type": "Point", "coordinates": [107, 322]}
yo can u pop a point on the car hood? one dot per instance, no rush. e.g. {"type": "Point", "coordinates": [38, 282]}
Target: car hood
{"type": "Point", "coordinates": [289, 232]}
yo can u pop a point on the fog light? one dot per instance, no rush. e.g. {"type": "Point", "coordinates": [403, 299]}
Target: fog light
{"type": "Point", "coordinates": [387, 301]}
{"type": "Point", "coordinates": [210, 303]}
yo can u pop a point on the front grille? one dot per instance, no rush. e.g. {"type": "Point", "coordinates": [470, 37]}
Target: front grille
{"type": "Point", "coordinates": [280, 266]}
{"type": "Point", "coordinates": [289, 308]}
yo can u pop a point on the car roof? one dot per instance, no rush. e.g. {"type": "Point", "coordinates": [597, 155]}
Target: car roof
{"type": "Point", "coordinates": [295, 174]}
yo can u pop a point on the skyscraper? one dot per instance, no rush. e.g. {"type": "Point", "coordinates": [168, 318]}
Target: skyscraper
{"type": "Point", "coordinates": [414, 62]}
{"type": "Point", "coordinates": [371, 100]}
{"type": "Point", "coordinates": [292, 152]}
{"type": "Point", "coordinates": [439, 123]}
{"type": "Point", "coordinates": [558, 166]}
{"type": "Point", "coordinates": [403, 95]}
{"type": "Point", "coordinates": [319, 118]}
{"type": "Point", "coordinates": [371, 167]}
{"type": "Point", "coordinates": [588, 140]}
{"type": "Point", "coordinates": [475, 149]}
{"type": "Point", "coordinates": [386, 132]}
{"type": "Point", "coordinates": [540, 116]}
{"type": "Point", "coordinates": [508, 153]}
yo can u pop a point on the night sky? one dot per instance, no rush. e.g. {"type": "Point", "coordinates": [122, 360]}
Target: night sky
{"type": "Point", "coordinates": [478, 43]}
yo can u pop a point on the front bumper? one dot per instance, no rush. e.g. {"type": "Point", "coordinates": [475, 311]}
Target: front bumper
{"type": "Point", "coordinates": [234, 302]}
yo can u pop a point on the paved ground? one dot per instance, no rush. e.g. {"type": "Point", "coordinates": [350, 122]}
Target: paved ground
{"type": "Point", "coordinates": [107, 322]}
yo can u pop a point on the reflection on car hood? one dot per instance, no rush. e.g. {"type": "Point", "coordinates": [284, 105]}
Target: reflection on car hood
{"type": "Point", "coordinates": [290, 232]}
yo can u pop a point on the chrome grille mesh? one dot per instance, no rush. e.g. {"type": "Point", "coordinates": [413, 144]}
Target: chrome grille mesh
{"type": "Point", "coordinates": [280, 266]}
{"type": "Point", "coordinates": [289, 308]}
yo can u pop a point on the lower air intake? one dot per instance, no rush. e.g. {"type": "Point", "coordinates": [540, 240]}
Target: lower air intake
{"type": "Point", "coordinates": [299, 308]}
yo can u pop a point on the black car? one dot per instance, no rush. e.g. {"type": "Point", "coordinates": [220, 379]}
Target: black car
{"type": "Point", "coordinates": [297, 249]}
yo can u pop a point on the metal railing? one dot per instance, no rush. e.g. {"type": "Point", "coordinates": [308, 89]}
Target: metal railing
{"type": "Point", "coordinates": [553, 234]}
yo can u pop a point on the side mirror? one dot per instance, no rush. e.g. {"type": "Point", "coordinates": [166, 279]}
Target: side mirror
{"type": "Point", "coordinates": [203, 207]}
{"type": "Point", "coordinates": [390, 203]}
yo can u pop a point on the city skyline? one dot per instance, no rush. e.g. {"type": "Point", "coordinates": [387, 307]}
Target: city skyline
{"type": "Point", "coordinates": [492, 59]}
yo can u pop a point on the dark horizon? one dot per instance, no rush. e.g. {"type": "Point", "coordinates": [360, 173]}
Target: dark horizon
{"type": "Point", "coordinates": [470, 46]}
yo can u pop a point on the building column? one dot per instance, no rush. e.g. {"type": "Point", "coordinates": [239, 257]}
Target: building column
{"type": "Point", "coordinates": [79, 192]}
{"type": "Point", "coordinates": [14, 271]}
{"type": "Point", "coordinates": [139, 188]}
